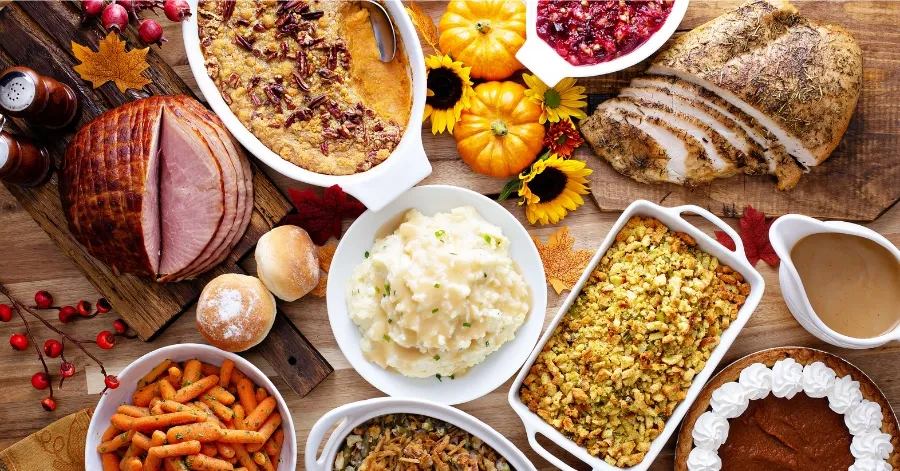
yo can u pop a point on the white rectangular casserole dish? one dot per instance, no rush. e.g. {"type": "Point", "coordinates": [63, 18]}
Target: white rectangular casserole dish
{"type": "Point", "coordinates": [672, 218]}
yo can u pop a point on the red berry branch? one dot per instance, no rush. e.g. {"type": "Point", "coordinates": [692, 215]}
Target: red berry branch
{"type": "Point", "coordinates": [54, 348]}
{"type": "Point", "coordinates": [116, 15]}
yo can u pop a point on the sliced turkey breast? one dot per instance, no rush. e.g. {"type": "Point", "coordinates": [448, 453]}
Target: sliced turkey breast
{"type": "Point", "coordinates": [799, 79]}
{"type": "Point", "coordinates": [780, 164]}
{"type": "Point", "coordinates": [629, 150]}
{"type": "Point", "coordinates": [192, 199]}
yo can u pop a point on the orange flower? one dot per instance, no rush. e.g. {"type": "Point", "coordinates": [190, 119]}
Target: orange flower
{"type": "Point", "coordinates": [562, 138]}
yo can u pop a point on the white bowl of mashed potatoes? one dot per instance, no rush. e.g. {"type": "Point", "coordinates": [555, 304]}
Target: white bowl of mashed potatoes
{"type": "Point", "coordinates": [440, 295]}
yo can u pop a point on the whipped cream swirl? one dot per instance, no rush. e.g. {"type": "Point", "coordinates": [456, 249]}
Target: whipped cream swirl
{"type": "Point", "coordinates": [863, 417]}
{"type": "Point", "coordinates": [818, 379]}
{"type": "Point", "coordinates": [730, 400]}
{"type": "Point", "coordinates": [710, 431]}
{"type": "Point", "coordinates": [844, 394]}
{"type": "Point", "coordinates": [702, 459]}
{"type": "Point", "coordinates": [868, 464]}
{"type": "Point", "coordinates": [874, 445]}
{"type": "Point", "coordinates": [757, 380]}
{"type": "Point", "coordinates": [787, 378]}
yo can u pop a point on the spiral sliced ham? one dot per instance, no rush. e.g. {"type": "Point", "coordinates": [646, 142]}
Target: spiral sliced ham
{"type": "Point", "coordinates": [157, 187]}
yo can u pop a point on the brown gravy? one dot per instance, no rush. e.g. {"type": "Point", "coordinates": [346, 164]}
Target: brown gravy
{"type": "Point", "coordinates": [853, 283]}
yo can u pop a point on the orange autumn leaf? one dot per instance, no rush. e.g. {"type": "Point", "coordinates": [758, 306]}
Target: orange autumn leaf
{"type": "Point", "coordinates": [424, 24]}
{"type": "Point", "coordinates": [326, 254]}
{"type": "Point", "coordinates": [562, 265]}
{"type": "Point", "coordinates": [112, 63]}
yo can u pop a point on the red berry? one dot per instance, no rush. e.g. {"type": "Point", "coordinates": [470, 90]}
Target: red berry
{"type": "Point", "coordinates": [43, 299]}
{"type": "Point", "coordinates": [66, 314]}
{"type": "Point", "coordinates": [151, 32]}
{"type": "Point", "coordinates": [106, 340]}
{"type": "Point", "coordinates": [5, 313]}
{"type": "Point", "coordinates": [92, 7]}
{"type": "Point", "coordinates": [115, 17]}
{"type": "Point", "coordinates": [49, 404]}
{"type": "Point", "coordinates": [111, 381]}
{"type": "Point", "coordinates": [52, 348]}
{"type": "Point", "coordinates": [128, 4]}
{"type": "Point", "coordinates": [176, 10]}
{"type": "Point", "coordinates": [40, 380]}
{"type": "Point", "coordinates": [67, 369]}
{"type": "Point", "coordinates": [103, 306]}
{"type": "Point", "coordinates": [83, 308]}
{"type": "Point", "coordinates": [18, 341]}
{"type": "Point", "coordinates": [120, 326]}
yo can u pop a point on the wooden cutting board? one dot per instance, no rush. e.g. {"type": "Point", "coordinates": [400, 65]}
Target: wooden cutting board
{"type": "Point", "coordinates": [858, 182]}
{"type": "Point", "coordinates": [39, 35]}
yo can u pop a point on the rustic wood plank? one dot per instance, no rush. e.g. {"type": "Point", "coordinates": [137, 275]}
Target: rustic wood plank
{"type": "Point", "coordinates": [285, 345]}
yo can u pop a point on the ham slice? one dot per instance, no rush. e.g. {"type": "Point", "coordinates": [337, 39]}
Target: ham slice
{"type": "Point", "coordinates": [157, 188]}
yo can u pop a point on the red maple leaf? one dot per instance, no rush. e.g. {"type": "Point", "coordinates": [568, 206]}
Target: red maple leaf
{"type": "Point", "coordinates": [755, 237]}
{"type": "Point", "coordinates": [321, 216]}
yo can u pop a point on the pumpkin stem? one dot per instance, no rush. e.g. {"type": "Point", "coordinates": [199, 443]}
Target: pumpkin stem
{"type": "Point", "coordinates": [483, 26]}
{"type": "Point", "coordinates": [499, 128]}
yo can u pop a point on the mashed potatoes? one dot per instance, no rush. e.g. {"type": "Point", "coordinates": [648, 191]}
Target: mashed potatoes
{"type": "Point", "coordinates": [438, 295]}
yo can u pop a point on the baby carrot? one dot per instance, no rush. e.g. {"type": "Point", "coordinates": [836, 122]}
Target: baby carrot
{"type": "Point", "coordinates": [222, 395]}
{"type": "Point", "coordinates": [267, 429]}
{"type": "Point", "coordinates": [273, 445]}
{"type": "Point", "coordinates": [226, 450]}
{"type": "Point", "coordinates": [259, 415]}
{"type": "Point", "coordinates": [239, 415]}
{"type": "Point", "coordinates": [221, 410]}
{"type": "Point", "coordinates": [110, 433]}
{"type": "Point", "coordinates": [133, 411]}
{"type": "Point", "coordinates": [175, 376]}
{"type": "Point", "coordinates": [141, 441]}
{"type": "Point", "coordinates": [206, 463]}
{"type": "Point", "coordinates": [191, 372]}
{"type": "Point", "coordinates": [241, 436]}
{"type": "Point", "coordinates": [178, 449]}
{"type": "Point", "coordinates": [172, 406]}
{"type": "Point", "coordinates": [122, 422]}
{"type": "Point", "coordinates": [166, 390]}
{"type": "Point", "coordinates": [246, 395]}
{"type": "Point", "coordinates": [237, 376]}
{"type": "Point", "coordinates": [135, 465]}
{"type": "Point", "coordinates": [202, 432]}
{"type": "Point", "coordinates": [142, 396]}
{"type": "Point", "coordinates": [153, 374]}
{"type": "Point", "coordinates": [209, 370]}
{"type": "Point", "coordinates": [244, 458]}
{"type": "Point", "coordinates": [117, 442]}
{"type": "Point", "coordinates": [175, 464]}
{"type": "Point", "coordinates": [209, 449]}
{"type": "Point", "coordinates": [261, 394]}
{"type": "Point", "coordinates": [156, 422]}
{"type": "Point", "coordinates": [192, 390]}
{"type": "Point", "coordinates": [109, 461]}
{"type": "Point", "coordinates": [133, 451]}
{"type": "Point", "coordinates": [225, 373]}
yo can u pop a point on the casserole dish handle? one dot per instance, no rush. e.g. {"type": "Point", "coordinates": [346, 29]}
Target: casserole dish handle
{"type": "Point", "coordinates": [349, 413]}
{"type": "Point", "coordinates": [532, 440]}
{"type": "Point", "coordinates": [689, 208]}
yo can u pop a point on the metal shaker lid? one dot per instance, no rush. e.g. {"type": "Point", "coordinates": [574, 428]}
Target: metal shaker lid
{"type": "Point", "coordinates": [17, 91]}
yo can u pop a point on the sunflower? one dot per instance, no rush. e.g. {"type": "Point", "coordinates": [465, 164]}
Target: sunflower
{"type": "Point", "coordinates": [449, 92]}
{"type": "Point", "coordinates": [562, 138]}
{"type": "Point", "coordinates": [562, 101]}
{"type": "Point", "coordinates": [552, 188]}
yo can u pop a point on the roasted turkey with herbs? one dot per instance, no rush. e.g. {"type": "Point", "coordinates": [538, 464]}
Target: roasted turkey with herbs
{"type": "Point", "coordinates": [157, 187]}
{"type": "Point", "coordinates": [757, 90]}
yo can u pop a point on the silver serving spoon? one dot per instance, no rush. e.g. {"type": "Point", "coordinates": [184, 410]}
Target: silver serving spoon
{"type": "Point", "coordinates": [384, 30]}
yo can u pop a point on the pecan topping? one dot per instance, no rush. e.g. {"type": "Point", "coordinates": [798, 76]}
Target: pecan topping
{"type": "Point", "coordinates": [243, 42]}
{"type": "Point", "coordinates": [206, 41]}
{"type": "Point", "coordinates": [302, 64]}
{"type": "Point", "coordinates": [300, 83]}
{"type": "Point", "coordinates": [329, 133]}
{"type": "Point", "coordinates": [255, 99]}
{"type": "Point", "coordinates": [329, 76]}
{"type": "Point", "coordinates": [234, 80]}
{"type": "Point", "coordinates": [312, 15]}
{"type": "Point", "coordinates": [242, 22]}
{"type": "Point", "coordinates": [228, 9]}
{"type": "Point", "coordinates": [344, 131]}
{"type": "Point", "coordinates": [274, 92]}
{"type": "Point", "coordinates": [254, 81]}
{"type": "Point", "coordinates": [259, 27]}
{"type": "Point", "coordinates": [291, 5]}
{"type": "Point", "coordinates": [316, 101]}
{"type": "Point", "coordinates": [331, 63]}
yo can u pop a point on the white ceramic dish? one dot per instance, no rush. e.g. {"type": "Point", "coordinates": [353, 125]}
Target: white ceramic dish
{"type": "Point", "coordinates": [672, 218]}
{"type": "Point", "coordinates": [405, 167]}
{"type": "Point", "coordinates": [787, 231]}
{"type": "Point", "coordinates": [544, 62]}
{"type": "Point", "coordinates": [129, 377]}
{"type": "Point", "coordinates": [351, 415]}
{"type": "Point", "coordinates": [500, 365]}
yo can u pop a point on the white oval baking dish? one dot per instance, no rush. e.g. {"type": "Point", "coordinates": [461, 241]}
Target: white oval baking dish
{"type": "Point", "coordinates": [785, 232]}
{"type": "Point", "coordinates": [129, 377]}
{"type": "Point", "coordinates": [544, 62]}
{"type": "Point", "coordinates": [353, 414]}
{"type": "Point", "coordinates": [672, 218]}
{"type": "Point", "coordinates": [482, 378]}
{"type": "Point", "coordinates": [405, 167]}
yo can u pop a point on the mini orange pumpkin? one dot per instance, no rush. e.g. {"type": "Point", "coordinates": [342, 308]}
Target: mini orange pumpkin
{"type": "Point", "coordinates": [499, 135]}
{"type": "Point", "coordinates": [484, 35]}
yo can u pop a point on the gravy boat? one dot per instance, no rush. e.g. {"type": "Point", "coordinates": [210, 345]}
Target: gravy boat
{"type": "Point", "coordinates": [785, 232]}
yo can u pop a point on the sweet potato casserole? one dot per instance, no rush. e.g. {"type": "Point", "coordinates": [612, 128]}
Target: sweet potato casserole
{"type": "Point", "coordinates": [626, 352]}
{"type": "Point", "coordinates": [414, 442]}
{"type": "Point", "coordinates": [305, 78]}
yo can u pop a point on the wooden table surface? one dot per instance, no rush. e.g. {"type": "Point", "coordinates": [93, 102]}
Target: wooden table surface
{"type": "Point", "coordinates": [29, 261]}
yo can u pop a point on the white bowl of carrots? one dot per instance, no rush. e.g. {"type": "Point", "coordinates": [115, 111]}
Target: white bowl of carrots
{"type": "Point", "coordinates": [191, 407]}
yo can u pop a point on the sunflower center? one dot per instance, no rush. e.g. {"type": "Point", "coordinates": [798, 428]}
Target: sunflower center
{"type": "Point", "coordinates": [552, 98]}
{"type": "Point", "coordinates": [548, 184]}
{"type": "Point", "coordinates": [447, 88]}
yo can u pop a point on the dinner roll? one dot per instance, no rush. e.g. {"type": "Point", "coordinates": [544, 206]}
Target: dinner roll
{"type": "Point", "coordinates": [235, 312]}
{"type": "Point", "coordinates": [287, 262]}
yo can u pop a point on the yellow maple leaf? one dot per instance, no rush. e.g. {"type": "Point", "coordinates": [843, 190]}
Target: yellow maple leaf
{"type": "Point", "coordinates": [326, 254]}
{"type": "Point", "coordinates": [424, 24]}
{"type": "Point", "coordinates": [112, 63]}
{"type": "Point", "coordinates": [562, 265]}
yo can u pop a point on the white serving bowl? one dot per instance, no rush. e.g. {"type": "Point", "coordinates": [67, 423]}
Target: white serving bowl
{"type": "Point", "coordinates": [544, 62]}
{"type": "Point", "coordinates": [351, 415]}
{"type": "Point", "coordinates": [500, 365]}
{"type": "Point", "coordinates": [785, 232]}
{"type": "Point", "coordinates": [672, 218]}
{"type": "Point", "coordinates": [405, 167]}
{"type": "Point", "coordinates": [129, 377]}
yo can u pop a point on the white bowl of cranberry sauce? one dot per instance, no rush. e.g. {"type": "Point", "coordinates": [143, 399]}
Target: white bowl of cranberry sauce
{"type": "Point", "coordinates": [585, 38]}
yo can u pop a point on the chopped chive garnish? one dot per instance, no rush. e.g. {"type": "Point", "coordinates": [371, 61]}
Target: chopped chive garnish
{"type": "Point", "coordinates": [466, 324]}
{"type": "Point", "coordinates": [437, 357]}
{"type": "Point", "coordinates": [440, 233]}
{"type": "Point", "coordinates": [437, 285]}
{"type": "Point", "coordinates": [453, 376]}
{"type": "Point", "coordinates": [377, 289]}
{"type": "Point", "coordinates": [387, 337]}
{"type": "Point", "coordinates": [485, 275]}
{"type": "Point", "coordinates": [390, 321]}
{"type": "Point", "coordinates": [435, 310]}
{"type": "Point", "coordinates": [487, 342]}
{"type": "Point", "coordinates": [438, 376]}
{"type": "Point", "coordinates": [487, 238]}
{"type": "Point", "coordinates": [367, 254]}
